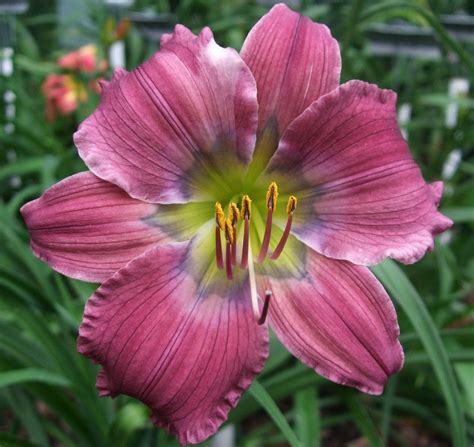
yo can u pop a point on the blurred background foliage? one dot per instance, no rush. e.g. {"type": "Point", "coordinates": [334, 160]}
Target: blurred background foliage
{"type": "Point", "coordinates": [47, 392]}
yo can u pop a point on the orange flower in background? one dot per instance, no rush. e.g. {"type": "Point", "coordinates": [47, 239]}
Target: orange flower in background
{"type": "Point", "coordinates": [83, 59]}
{"type": "Point", "coordinates": [65, 92]}
{"type": "Point", "coordinates": [63, 95]}
{"type": "Point", "coordinates": [122, 29]}
{"type": "Point", "coordinates": [114, 30]}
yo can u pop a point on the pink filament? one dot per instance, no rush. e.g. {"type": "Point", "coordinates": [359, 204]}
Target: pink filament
{"type": "Point", "coordinates": [245, 245]}
{"type": "Point", "coordinates": [228, 261]}
{"type": "Point", "coordinates": [234, 246]}
{"type": "Point", "coordinates": [219, 259]}
{"type": "Point", "coordinates": [266, 237]}
{"type": "Point", "coordinates": [284, 238]}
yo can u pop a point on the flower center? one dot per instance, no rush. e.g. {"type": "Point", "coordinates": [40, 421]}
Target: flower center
{"type": "Point", "coordinates": [229, 226]}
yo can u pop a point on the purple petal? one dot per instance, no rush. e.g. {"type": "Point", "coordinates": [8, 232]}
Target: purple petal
{"type": "Point", "coordinates": [362, 196]}
{"type": "Point", "coordinates": [87, 228]}
{"type": "Point", "coordinates": [336, 318]}
{"type": "Point", "coordinates": [294, 61]}
{"type": "Point", "coordinates": [185, 348]}
{"type": "Point", "coordinates": [182, 118]}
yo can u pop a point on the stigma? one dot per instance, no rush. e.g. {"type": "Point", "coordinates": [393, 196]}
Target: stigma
{"type": "Point", "coordinates": [229, 226]}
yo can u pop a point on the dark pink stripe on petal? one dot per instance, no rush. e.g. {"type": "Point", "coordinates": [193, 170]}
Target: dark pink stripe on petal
{"type": "Point", "coordinates": [294, 61]}
{"type": "Point", "coordinates": [361, 196]}
{"type": "Point", "coordinates": [338, 320]}
{"type": "Point", "coordinates": [87, 228]}
{"type": "Point", "coordinates": [163, 337]}
{"type": "Point", "coordinates": [162, 129]}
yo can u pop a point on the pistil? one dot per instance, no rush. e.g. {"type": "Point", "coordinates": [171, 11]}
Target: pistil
{"type": "Point", "coordinates": [290, 209]}
{"type": "Point", "coordinates": [271, 199]}
{"type": "Point", "coordinates": [253, 287]}
{"type": "Point", "coordinates": [220, 225]}
{"type": "Point", "coordinates": [246, 211]}
{"type": "Point", "coordinates": [260, 318]}
{"type": "Point", "coordinates": [266, 306]}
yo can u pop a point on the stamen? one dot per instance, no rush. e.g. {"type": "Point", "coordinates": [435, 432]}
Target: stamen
{"type": "Point", "coordinates": [220, 224]}
{"type": "Point", "coordinates": [291, 205]}
{"type": "Point", "coordinates": [234, 218]}
{"type": "Point", "coordinates": [229, 236]}
{"type": "Point", "coordinates": [246, 211]}
{"type": "Point", "coordinates": [290, 209]}
{"type": "Point", "coordinates": [220, 217]}
{"type": "Point", "coordinates": [272, 198]}
{"type": "Point", "coordinates": [266, 306]}
{"type": "Point", "coordinates": [246, 207]}
{"type": "Point", "coordinates": [234, 213]}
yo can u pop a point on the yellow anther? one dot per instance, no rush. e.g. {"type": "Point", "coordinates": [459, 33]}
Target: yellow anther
{"type": "Point", "coordinates": [234, 213]}
{"type": "Point", "coordinates": [229, 231]}
{"type": "Point", "coordinates": [272, 196]}
{"type": "Point", "coordinates": [291, 206]}
{"type": "Point", "coordinates": [220, 218]}
{"type": "Point", "coordinates": [246, 207]}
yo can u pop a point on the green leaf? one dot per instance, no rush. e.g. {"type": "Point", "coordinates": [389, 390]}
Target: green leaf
{"type": "Point", "coordinates": [364, 421]}
{"type": "Point", "coordinates": [387, 410]}
{"type": "Point", "coordinates": [422, 412]}
{"type": "Point", "coordinates": [462, 332]}
{"type": "Point", "coordinates": [455, 355]}
{"type": "Point", "coordinates": [20, 198]}
{"type": "Point", "coordinates": [15, 377]}
{"type": "Point", "coordinates": [307, 417]}
{"type": "Point", "coordinates": [268, 404]}
{"type": "Point", "coordinates": [7, 440]}
{"type": "Point", "coordinates": [131, 417]}
{"type": "Point", "coordinates": [35, 67]}
{"type": "Point", "coordinates": [460, 214]}
{"type": "Point", "coordinates": [279, 355]}
{"type": "Point", "coordinates": [440, 100]}
{"type": "Point", "coordinates": [279, 385]}
{"type": "Point", "coordinates": [465, 373]}
{"type": "Point", "coordinates": [376, 9]}
{"type": "Point", "coordinates": [26, 166]}
{"type": "Point", "coordinates": [26, 42]}
{"type": "Point", "coordinates": [407, 297]}
{"type": "Point", "coordinates": [22, 406]}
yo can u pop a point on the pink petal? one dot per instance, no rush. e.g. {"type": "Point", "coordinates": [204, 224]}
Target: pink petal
{"type": "Point", "coordinates": [182, 118]}
{"type": "Point", "coordinates": [294, 61]}
{"type": "Point", "coordinates": [336, 318]}
{"type": "Point", "coordinates": [185, 348]}
{"type": "Point", "coordinates": [87, 228]}
{"type": "Point", "coordinates": [362, 196]}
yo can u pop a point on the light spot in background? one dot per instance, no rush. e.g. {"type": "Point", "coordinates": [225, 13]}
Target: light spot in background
{"type": "Point", "coordinates": [458, 87]}
{"type": "Point", "coordinates": [451, 164]}
{"type": "Point", "coordinates": [404, 117]}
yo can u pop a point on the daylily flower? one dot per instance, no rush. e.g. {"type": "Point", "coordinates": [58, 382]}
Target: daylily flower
{"type": "Point", "coordinates": [318, 183]}
{"type": "Point", "coordinates": [63, 95]}
{"type": "Point", "coordinates": [83, 59]}
{"type": "Point", "coordinates": [65, 92]}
